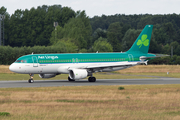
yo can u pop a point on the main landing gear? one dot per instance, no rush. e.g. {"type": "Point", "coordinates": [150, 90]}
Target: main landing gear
{"type": "Point", "coordinates": [70, 79]}
{"type": "Point", "coordinates": [92, 79]}
{"type": "Point", "coordinates": [31, 78]}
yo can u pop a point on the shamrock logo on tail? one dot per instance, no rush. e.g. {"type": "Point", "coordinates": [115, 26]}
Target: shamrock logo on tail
{"type": "Point", "coordinates": [144, 41]}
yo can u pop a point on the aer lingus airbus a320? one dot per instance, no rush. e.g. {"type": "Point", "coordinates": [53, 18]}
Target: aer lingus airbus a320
{"type": "Point", "coordinates": [81, 65]}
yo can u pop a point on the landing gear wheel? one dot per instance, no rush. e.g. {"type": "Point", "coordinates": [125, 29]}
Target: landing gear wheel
{"type": "Point", "coordinates": [70, 79]}
{"type": "Point", "coordinates": [92, 79]}
{"type": "Point", "coordinates": [30, 80]}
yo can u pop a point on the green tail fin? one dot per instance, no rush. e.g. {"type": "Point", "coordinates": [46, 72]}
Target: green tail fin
{"type": "Point", "coordinates": [141, 45]}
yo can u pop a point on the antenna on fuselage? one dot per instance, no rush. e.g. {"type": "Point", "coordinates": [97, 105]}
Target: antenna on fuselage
{"type": "Point", "coordinates": [32, 53]}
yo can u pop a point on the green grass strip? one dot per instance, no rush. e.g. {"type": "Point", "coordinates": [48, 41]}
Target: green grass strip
{"type": "Point", "coordinates": [4, 114]}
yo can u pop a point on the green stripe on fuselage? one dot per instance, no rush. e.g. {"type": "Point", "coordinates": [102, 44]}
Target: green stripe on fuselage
{"type": "Point", "coordinates": [81, 57]}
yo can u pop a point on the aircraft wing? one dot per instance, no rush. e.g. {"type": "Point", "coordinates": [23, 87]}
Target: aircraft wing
{"type": "Point", "coordinates": [101, 67]}
{"type": "Point", "coordinates": [111, 65]}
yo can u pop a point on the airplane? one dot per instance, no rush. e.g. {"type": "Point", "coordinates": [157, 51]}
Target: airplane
{"type": "Point", "coordinates": [82, 65]}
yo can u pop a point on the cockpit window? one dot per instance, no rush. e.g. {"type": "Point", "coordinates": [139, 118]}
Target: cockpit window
{"type": "Point", "coordinates": [18, 61]}
{"type": "Point", "coordinates": [21, 61]}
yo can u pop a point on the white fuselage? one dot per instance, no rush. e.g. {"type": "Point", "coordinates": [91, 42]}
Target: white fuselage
{"type": "Point", "coordinates": [30, 68]}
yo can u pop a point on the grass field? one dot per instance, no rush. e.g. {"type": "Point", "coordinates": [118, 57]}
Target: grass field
{"type": "Point", "coordinates": [140, 71]}
{"type": "Point", "coordinates": [135, 102]}
{"type": "Point", "coordinates": [14, 76]}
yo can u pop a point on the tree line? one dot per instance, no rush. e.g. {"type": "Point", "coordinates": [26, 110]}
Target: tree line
{"type": "Point", "coordinates": [8, 54]}
{"type": "Point", "coordinates": [76, 32]}
{"type": "Point", "coordinates": [34, 27]}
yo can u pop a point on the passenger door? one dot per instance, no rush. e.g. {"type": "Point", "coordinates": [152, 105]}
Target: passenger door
{"type": "Point", "coordinates": [35, 61]}
{"type": "Point", "coordinates": [130, 57]}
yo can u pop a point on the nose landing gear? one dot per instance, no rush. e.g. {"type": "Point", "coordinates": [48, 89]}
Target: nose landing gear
{"type": "Point", "coordinates": [31, 78]}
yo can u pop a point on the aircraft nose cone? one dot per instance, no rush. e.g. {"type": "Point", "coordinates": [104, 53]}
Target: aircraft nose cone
{"type": "Point", "coordinates": [12, 67]}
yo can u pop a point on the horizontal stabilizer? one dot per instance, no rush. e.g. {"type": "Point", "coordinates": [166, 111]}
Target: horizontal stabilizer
{"type": "Point", "coordinates": [143, 58]}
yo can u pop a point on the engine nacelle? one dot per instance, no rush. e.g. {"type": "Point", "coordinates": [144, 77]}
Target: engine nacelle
{"type": "Point", "coordinates": [78, 74]}
{"type": "Point", "coordinates": [47, 75]}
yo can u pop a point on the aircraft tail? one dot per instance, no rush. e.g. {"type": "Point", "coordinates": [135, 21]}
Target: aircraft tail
{"type": "Point", "coordinates": [141, 45]}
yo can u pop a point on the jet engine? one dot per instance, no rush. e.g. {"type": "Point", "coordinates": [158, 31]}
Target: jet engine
{"type": "Point", "coordinates": [47, 75]}
{"type": "Point", "coordinates": [78, 74]}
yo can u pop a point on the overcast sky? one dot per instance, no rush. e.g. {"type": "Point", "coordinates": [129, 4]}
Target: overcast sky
{"type": "Point", "coordinates": [99, 7]}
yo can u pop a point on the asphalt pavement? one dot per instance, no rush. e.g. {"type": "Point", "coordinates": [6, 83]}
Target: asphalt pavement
{"type": "Point", "coordinates": [51, 83]}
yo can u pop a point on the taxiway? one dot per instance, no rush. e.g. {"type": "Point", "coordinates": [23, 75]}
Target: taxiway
{"type": "Point", "coordinates": [51, 83]}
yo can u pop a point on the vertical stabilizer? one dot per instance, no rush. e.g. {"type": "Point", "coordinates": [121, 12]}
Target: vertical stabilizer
{"type": "Point", "coordinates": [141, 45]}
